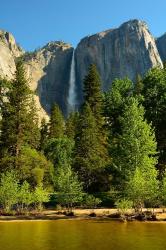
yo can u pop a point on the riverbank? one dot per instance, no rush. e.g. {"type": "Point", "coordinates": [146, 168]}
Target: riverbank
{"type": "Point", "coordinates": [102, 213]}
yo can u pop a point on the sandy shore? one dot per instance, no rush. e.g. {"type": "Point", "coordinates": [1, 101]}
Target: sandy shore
{"type": "Point", "coordinates": [102, 213]}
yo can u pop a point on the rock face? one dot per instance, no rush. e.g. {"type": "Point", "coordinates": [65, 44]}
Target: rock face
{"type": "Point", "coordinates": [48, 70]}
{"type": "Point", "coordinates": [161, 45]}
{"type": "Point", "coordinates": [126, 51]}
{"type": "Point", "coordinates": [9, 50]}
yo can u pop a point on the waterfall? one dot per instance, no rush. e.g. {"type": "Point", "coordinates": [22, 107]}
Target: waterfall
{"type": "Point", "coordinates": [72, 87]}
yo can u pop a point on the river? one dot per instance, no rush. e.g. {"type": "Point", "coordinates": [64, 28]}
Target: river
{"type": "Point", "coordinates": [82, 235]}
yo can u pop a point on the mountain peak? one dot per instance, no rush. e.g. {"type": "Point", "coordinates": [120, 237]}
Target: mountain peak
{"type": "Point", "coordinates": [8, 40]}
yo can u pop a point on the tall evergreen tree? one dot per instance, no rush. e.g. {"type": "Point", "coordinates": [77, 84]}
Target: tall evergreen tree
{"type": "Point", "coordinates": [56, 125]}
{"type": "Point", "coordinates": [43, 134]}
{"type": "Point", "coordinates": [138, 86]}
{"type": "Point", "coordinates": [18, 120]}
{"type": "Point", "coordinates": [72, 125]}
{"type": "Point", "coordinates": [59, 151]}
{"type": "Point", "coordinates": [32, 131]}
{"type": "Point", "coordinates": [90, 152]}
{"type": "Point", "coordinates": [91, 139]}
{"type": "Point", "coordinates": [92, 92]}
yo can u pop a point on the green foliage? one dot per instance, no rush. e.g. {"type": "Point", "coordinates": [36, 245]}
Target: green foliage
{"type": "Point", "coordinates": [90, 151]}
{"type": "Point", "coordinates": [8, 190]}
{"type": "Point", "coordinates": [93, 98]}
{"type": "Point", "coordinates": [143, 186]}
{"type": "Point", "coordinates": [19, 119]}
{"type": "Point", "coordinates": [56, 125]}
{"type": "Point", "coordinates": [154, 93]}
{"type": "Point", "coordinates": [72, 125]}
{"type": "Point", "coordinates": [40, 195]}
{"type": "Point", "coordinates": [92, 91]}
{"type": "Point", "coordinates": [136, 146]}
{"type": "Point", "coordinates": [91, 201]}
{"type": "Point", "coordinates": [12, 193]}
{"type": "Point", "coordinates": [32, 131]}
{"type": "Point", "coordinates": [114, 102]}
{"type": "Point", "coordinates": [77, 152]}
{"type": "Point", "coordinates": [33, 166]}
{"type": "Point", "coordinates": [138, 86]}
{"type": "Point", "coordinates": [163, 189]}
{"type": "Point", "coordinates": [59, 150]}
{"type": "Point", "coordinates": [25, 196]}
{"type": "Point", "coordinates": [38, 175]}
{"type": "Point", "coordinates": [123, 205]}
{"type": "Point", "coordinates": [43, 134]}
{"type": "Point", "coordinates": [69, 188]}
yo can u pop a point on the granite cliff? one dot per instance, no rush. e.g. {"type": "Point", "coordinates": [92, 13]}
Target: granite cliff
{"type": "Point", "coordinates": [9, 50]}
{"type": "Point", "coordinates": [125, 51]}
{"type": "Point", "coordinates": [161, 45]}
{"type": "Point", "coordinates": [48, 71]}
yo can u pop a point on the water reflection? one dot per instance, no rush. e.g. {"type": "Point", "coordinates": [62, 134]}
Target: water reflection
{"type": "Point", "coordinates": [81, 235]}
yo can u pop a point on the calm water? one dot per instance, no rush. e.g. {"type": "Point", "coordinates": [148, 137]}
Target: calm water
{"type": "Point", "coordinates": [82, 235]}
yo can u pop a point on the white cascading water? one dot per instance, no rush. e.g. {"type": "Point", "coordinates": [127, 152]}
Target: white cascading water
{"type": "Point", "coordinates": [72, 87]}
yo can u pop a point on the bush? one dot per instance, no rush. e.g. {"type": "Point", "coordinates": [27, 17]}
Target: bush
{"type": "Point", "coordinates": [25, 196]}
{"type": "Point", "coordinates": [8, 191]}
{"type": "Point", "coordinates": [40, 195]}
{"type": "Point", "coordinates": [123, 205]}
{"type": "Point", "coordinates": [91, 201]}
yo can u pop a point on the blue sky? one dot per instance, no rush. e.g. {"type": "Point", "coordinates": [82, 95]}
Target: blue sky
{"type": "Point", "coordinates": [36, 22]}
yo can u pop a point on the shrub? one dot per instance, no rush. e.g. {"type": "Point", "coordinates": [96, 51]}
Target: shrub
{"type": "Point", "coordinates": [123, 205]}
{"type": "Point", "coordinates": [91, 201]}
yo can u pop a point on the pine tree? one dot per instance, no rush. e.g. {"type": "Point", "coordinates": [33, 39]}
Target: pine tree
{"type": "Point", "coordinates": [91, 138]}
{"type": "Point", "coordinates": [90, 152]}
{"type": "Point", "coordinates": [56, 125]}
{"type": "Point", "coordinates": [32, 131]}
{"type": "Point", "coordinates": [138, 86]}
{"type": "Point", "coordinates": [72, 125]}
{"type": "Point", "coordinates": [92, 92]}
{"type": "Point", "coordinates": [18, 120]}
{"type": "Point", "coordinates": [59, 151]}
{"type": "Point", "coordinates": [43, 134]}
